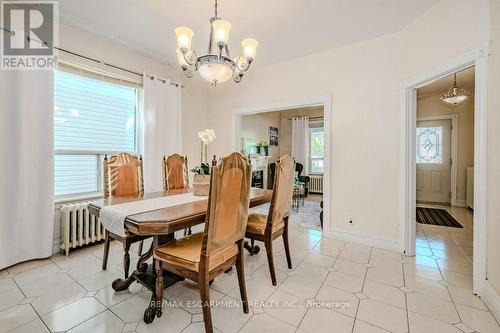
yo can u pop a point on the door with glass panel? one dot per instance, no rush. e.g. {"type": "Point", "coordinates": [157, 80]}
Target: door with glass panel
{"type": "Point", "coordinates": [434, 161]}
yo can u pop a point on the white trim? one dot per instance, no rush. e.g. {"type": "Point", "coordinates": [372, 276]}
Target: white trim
{"type": "Point", "coordinates": [461, 203]}
{"type": "Point", "coordinates": [492, 299]}
{"type": "Point", "coordinates": [326, 102]}
{"type": "Point", "coordinates": [478, 58]}
{"type": "Point", "coordinates": [369, 240]}
{"type": "Point", "coordinates": [454, 151]}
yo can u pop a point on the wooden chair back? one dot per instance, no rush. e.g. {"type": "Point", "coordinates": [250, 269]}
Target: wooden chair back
{"type": "Point", "coordinates": [123, 175]}
{"type": "Point", "coordinates": [228, 203]}
{"type": "Point", "coordinates": [282, 190]}
{"type": "Point", "coordinates": [175, 172]}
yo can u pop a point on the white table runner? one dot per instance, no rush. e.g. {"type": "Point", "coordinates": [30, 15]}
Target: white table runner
{"type": "Point", "coordinates": [113, 217]}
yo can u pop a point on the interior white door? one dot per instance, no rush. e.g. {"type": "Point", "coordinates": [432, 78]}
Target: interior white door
{"type": "Point", "coordinates": [434, 161]}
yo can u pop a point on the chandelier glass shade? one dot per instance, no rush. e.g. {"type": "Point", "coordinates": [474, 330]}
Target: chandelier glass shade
{"type": "Point", "coordinates": [456, 94]}
{"type": "Point", "coordinates": [216, 66]}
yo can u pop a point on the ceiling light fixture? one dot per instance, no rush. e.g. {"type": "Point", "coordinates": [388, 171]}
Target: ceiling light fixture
{"type": "Point", "coordinates": [214, 67]}
{"type": "Point", "coordinates": [456, 94]}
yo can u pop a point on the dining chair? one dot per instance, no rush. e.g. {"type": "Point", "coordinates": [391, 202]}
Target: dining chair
{"type": "Point", "coordinates": [123, 177]}
{"type": "Point", "coordinates": [175, 172]}
{"type": "Point", "coordinates": [201, 257]}
{"type": "Point", "coordinates": [175, 175]}
{"type": "Point", "coordinates": [266, 228]}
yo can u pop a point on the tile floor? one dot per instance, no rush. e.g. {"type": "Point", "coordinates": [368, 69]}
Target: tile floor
{"type": "Point", "coordinates": [334, 287]}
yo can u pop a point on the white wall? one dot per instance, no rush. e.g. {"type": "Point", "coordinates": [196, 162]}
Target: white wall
{"type": "Point", "coordinates": [364, 81]}
{"type": "Point", "coordinates": [431, 105]}
{"type": "Point", "coordinates": [493, 153]}
{"type": "Point", "coordinates": [256, 126]}
{"type": "Point", "coordinates": [194, 95]}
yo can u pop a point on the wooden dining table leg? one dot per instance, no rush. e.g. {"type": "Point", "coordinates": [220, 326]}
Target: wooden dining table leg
{"type": "Point", "coordinates": [142, 265]}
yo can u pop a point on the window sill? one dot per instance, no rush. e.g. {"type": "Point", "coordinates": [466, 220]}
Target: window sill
{"type": "Point", "coordinates": [77, 197]}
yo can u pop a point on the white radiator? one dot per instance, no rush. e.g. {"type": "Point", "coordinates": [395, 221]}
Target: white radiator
{"type": "Point", "coordinates": [316, 184]}
{"type": "Point", "coordinates": [78, 227]}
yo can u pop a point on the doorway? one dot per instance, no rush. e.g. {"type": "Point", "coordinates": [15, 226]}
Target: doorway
{"type": "Point", "coordinates": [319, 127]}
{"type": "Point", "coordinates": [476, 58]}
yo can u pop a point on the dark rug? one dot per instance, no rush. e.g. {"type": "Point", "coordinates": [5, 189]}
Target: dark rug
{"type": "Point", "coordinates": [436, 216]}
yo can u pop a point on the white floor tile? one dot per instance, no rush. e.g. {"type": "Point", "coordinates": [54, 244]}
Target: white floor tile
{"type": "Point", "coordinates": [73, 314]}
{"type": "Point", "coordinates": [10, 298]}
{"type": "Point", "coordinates": [344, 281]}
{"type": "Point", "coordinates": [423, 324]}
{"type": "Point", "coordinates": [383, 315]}
{"type": "Point", "coordinates": [256, 291]}
{"type": "Point", "coordinates": [466, 297]}
{"type": "Point", "coordinates": [481, 321]}
{"type": "Point", "coordinates": [34, 326]}
{"type": "Point", "coordinates": [52, 301]}
{"type": "Point", "coordinates": [301, 287]}
{"type": "Point", "coordinates": [262, 275]}
{"type": "Point", "coordinates": [428, 287]}
{"type": "Point", "coordinates": [105, 322]}
{"type": "Point", "coordinates": [326, 320]}
{"type": "Point", "coordinates": [286, 307]}
{"type": "Point", "coordinates": [265, 323]}
{"type": "Point", "coordinates": [432, 307]}
{"type": "Point", "coordinates": [384, 293]}
{"type": "Point", "coordinates": [338, 300]}
{"type": "Point", "coordinates": [350, 267]}
{"type": "Point", "coordinates": [173, 320]}
{"type": "Point", "coordinates": [132, 309]}
{"type": "Point", "coordinates": [47, 285]}
{"type": "Point", "coordinates": [16, 316]}
{"type": "Point", "coordinates": [362, 327]}
{"type": "Point", "coordinates": [109, 297]}
{"type": "Point", "coordinates": [220, 315]}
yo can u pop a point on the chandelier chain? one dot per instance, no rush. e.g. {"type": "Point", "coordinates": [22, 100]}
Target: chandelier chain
{"type": "Point", "coordinates": [215, 11]}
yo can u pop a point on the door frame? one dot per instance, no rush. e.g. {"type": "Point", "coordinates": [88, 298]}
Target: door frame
{"type": "Point", "coordinates": [478, 58]}
{"type": "Point", "coordinates": [454, 152]}
{"type": "Point", "coordinates": [326, 102]}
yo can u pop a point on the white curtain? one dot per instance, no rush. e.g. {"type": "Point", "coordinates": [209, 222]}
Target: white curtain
{"type": "Point", "coordinates": [300, 142]}
{"type": "Point", "coordinates": [27, 168]}
{"type": "Point", "coordinates": [162, 128]}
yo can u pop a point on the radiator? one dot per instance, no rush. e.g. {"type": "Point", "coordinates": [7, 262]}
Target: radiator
{"type": "Point", "coordinates": [316, 184]}
{"type": "Point", "coordinates": [78, 227]}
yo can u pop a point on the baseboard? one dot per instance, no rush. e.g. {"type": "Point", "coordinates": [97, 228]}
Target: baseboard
{"type": "Point", "coordinates": [461, 203]}
{"type": "Point", "coordinates": [56, 246]}
{"type": "Point", "coordinates": [369, 240]}
{"type": "Point", "coordinates": [492, 300]}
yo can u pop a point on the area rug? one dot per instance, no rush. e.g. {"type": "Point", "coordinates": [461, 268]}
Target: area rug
{"type": "Point", "coordinates": [307, 217]}
{"type": "Point", "coordinates": [436, 216]}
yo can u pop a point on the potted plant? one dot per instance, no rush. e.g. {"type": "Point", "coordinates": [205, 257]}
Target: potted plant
{"type": "Point", "coordinates": [259, 147]}
{"type": "Point", "coordinates": [201, 181]}
{"type": "Point", "coordinates": [265, 146]}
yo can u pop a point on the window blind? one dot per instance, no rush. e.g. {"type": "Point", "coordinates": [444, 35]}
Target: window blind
{"type": "Point", "coordinates": [92, 117]}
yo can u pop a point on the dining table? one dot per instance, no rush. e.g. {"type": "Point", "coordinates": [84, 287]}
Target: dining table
{"type": "Point", "coordinates": [161, 224]}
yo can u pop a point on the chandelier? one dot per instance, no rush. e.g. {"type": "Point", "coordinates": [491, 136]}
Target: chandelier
{"type": "Point", "coordinates": [215, 67]}
{"type": "Point", "coordinates": [456, 94]}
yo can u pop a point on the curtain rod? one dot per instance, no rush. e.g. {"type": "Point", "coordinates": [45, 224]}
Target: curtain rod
{"type": "Point", "coordinates": [114, 66]}
{"type": "Point", "coordinates": [28, 38]}
{"type": "Point", "coordinates": [310, 118]}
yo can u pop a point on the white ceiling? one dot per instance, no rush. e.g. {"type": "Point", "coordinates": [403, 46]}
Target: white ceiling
{"type": "Point", "coordinates": [284, 28]}
{"type": "Point", "coordinates": [465, 78]}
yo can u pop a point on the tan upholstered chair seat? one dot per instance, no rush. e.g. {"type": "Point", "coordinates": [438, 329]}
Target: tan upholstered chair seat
{"type": "Point", "coordinates": [257, 224]}
{"type": "Point", "coordinates": [186, 252]}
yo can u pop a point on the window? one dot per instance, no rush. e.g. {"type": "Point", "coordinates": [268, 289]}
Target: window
{"type": "Point", "coordinates": [316, 151]}
{"type": "Point", "coordinates": [429, 145]}
{"type": "Point", "coordinates": [92, 117]}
